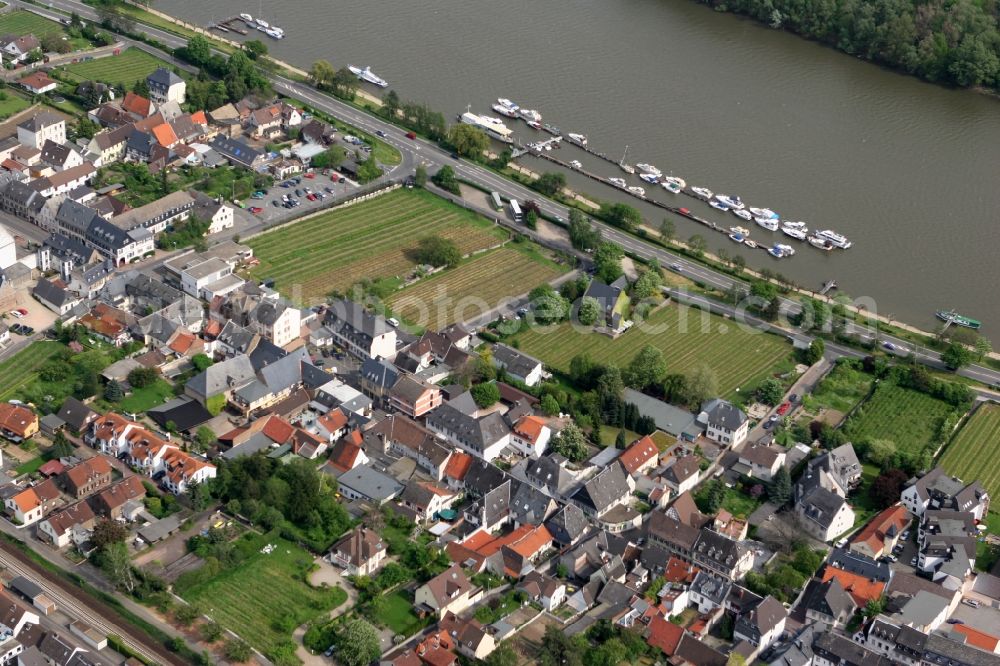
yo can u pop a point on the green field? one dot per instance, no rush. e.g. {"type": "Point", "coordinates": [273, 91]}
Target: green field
{"type": "Point", "coordinates": [21, 369]}
{"type": "Point", "coordinates": [375, 239]}
{"type": "Point", "coordinates": [11, 103]}
{"type": "Point", "coordinates": [907, 417]}
{"type": "Point", "coordinates": [688, 338]}
{"type": "Point", "coordinates": [19, 22]}
{"type": "Point", "coordinates": [972, 454]}
{"type": "Point", "coordinates": [121, 70]}
{"type": "Point", "coordinates": [264, 592]}
{"type": "Point", "coordinates": [477, 286]}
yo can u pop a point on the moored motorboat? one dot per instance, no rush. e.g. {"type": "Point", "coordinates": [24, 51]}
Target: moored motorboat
{"type": "Point", "coordinates": [247, 18]}
{"type": "Point", "coordinates": [764, 212]}
{"type": "Point", "coordinates": [618, 182]}
{"type": "Point", "coordinates": [780, 251]}
{"type": "Point", "coordinates": [627, 168]}
{"type": "Point", "coordinates": [680, 182]}
{"type": "Point", "coordinates": [771, 224]}
{"type": "Point", "coordinates": [835, 239]}
{"type": "Point", "coordinates": [638, 191]}
{"type": "Point", "coordinates": [533, 125]}
{"type": "Point", "coordinates": [702, 193]}
{"type": "Point", "coordinates": [504, 110]}
{"type": "Point", "coordinates": [650, 178]}
{"type": "Point", "coordinates": [552, 129]}
{"type": "Point", "coordinates": [262, 24]}
{"type": "Point", "coordinates": [794, 232]}
{"type": "Point", "coordinates": [503, 101]}
{"type": "Point", "coordinates": [576, 164]}
{"type": "Point", "coordinates": [648, 168]}
{"type": "Point", "coordinates": [732, 202]}
{"type": "Point", "coordinates": [671, 186]}
{"type": "Point", "coordinates": [366, 74]}
{"type": "Point", "coordinates": [742, 214]}
{"type": "Point", "coordinates": [742, 231]}
{"type": "Point", "coordinates": [820, 243]}
{"type": "Point", "coordinates": [739, 238]}
{"type": "Point", "coordinates": [578, 139]}
{"type": "Point", "coordinates": [749, 242]}
{"type": "Point", "coordinates": [530, 115]}
{"type": "Point", "coordinates": [715, 203]}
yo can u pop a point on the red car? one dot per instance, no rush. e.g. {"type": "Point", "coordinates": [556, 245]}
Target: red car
{"type": "Point", "coordinates": [411, 135]}
{"type": "Point", "coordinates": [310, 175]}
{"type": "Point", "coordinates": [785, 406]}
{"type": "Point", "coordinates": [311, 197]}
{"type": "Point", "coordinates": [23, 311]}
{"type": "Point", "coordinates": [685, 211]}
{"type": "Point", "coordinates": [255, 210]}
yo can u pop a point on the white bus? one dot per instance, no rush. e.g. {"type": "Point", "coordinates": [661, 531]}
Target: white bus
{"type": "Point", "coordinates": [496, 201]}
{"type": "Point", "coordinates": [515, 210]}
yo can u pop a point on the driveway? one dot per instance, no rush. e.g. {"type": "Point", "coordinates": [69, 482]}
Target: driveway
{"type": "Point", "coordinates": [325, 573]}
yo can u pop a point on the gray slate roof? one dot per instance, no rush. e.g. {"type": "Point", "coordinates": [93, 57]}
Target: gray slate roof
{"type": "Point", "coordinates": [603, 490]}
{"type": "Point", "coordinates": [223, 376]}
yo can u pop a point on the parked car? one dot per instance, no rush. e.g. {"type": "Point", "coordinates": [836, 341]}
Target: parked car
{"type": "Point", "coordinates": [341, 180]}
{"type": "Point", "coordinates": [392, 321]}
{"type": "Point", "coordinates": [310, 176]}
{"type": "Point", "coordinates": [954, 620]}
{"type": "Point", "coordinates": [905, 535]}
{"type": "Point", "coordinates": [275, 203]}
{"type": "Point", "coordinates": [311, 197]}
{"type": "Point", "coordinates": [256, 210]}
{"type": "Point", "coordinates": [16, 314]}
{"type": "Point", "coordinates": [793, 398]}
{"type": "Point", "coordinates": [970, 602]}
{"type": "Point", "coordinates": [783, 409]}
{"type": "Point", "coordinates": [913, 561]}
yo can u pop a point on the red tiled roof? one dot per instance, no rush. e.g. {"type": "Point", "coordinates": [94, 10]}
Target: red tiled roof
{"type": "Point", "coordinates": [894, 519]}
{"type": "Point", "coordinates": [679, 571]}
{"type": "Point", "coordinates": [38, 80]}
{"type": "Point", "coordinates": [861, 589]}
{"type": "Point", "coordinates": [976, 638]}
{"type": "Point", "coordinates": [344, 454]}
{"type": "Point", "coordinates": [458, 465]}
{"type": "Point", "coordinates": [640, 453]}
{"type": "Point", "coordinates": [199, 117]}
{"type": "Point", "coordinates": [278, 429]}
{"type": "Point", "coordinates": [333, 420]}
{"type": "Point", "coordinates": [529, 428]}
{"type": "Point", "coordinates": [213, 328]}
{"type": "Point", "coordinates": [52, 468]}
{"type": "Point", "coordinates": [664, 635]}
{"type": "Point", "coordinates": [165, 135]}
{"type": "Point", "coordinates": [17, 419]}
{"type": "Point", "coordinates": [136, 104]}
{"type": "Point", "coordinates": [182, 342]}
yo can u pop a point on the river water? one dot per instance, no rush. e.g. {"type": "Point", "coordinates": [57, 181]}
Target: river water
{"type": "Point", "coordinates": [910, 172]}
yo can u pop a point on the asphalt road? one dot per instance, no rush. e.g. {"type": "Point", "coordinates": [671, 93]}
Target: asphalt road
{"type": "Point", "coordinates": [421, 151]}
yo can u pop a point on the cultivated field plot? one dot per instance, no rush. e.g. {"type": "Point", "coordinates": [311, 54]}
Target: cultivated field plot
{"type": "Point", "coordinates": [335, 250]}
{"type": "Point", "coordinates": [473, 288]}
{"type": "Point", "coordinates": [738, 357]}
{"type": "Point", "coordinates": [972, 454]}
{"type": "Point", "coordinates": [263, 592]}
{"type": "Point", "coordinates": [907, 417]}
{"type": "Point", "coordinates": [22, 368]}
{"type": "Point", "coordinates": [121, 70]}
{"type": "Point", "coordinates": [19, 22]}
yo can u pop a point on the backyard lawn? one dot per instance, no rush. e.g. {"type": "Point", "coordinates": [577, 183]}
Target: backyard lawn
{"type": "Point", "coordinates": [610, 433]}
{"type": "Point", "coordinates": [475, 287]}
{"type": "Point", "coordinates": [20, 370]}
{"type": "Point", "coordinates": [396, 612]}
{"type": "Point", "coordinates": [375, 239]}
{"type": "Point", "coordinates": [972, 453]}
{"type": "Point", "coordinates": [143, 399]}
{"type": "Point", "coordinates": [264, 598]}
{"type": "Point", "coordinates": [121, 70]}
{"type": "Point", "coordinates": [11, 103]}
{"type": "Point", "coordinates": [689, 338]}
{"type": "Point", "coordinates": [909, 418]}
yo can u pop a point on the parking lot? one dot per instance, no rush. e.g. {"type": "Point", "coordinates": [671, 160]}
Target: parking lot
{"type": "Point", "coordinates": [35, 315]}
{"type": "Point", "coordinates": [273, 208]}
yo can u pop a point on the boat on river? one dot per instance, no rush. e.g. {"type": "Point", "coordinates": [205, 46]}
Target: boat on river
{"type": "Point", "coordinates": [680, 182]}
{"type": "Point", "coordinates": [952, 317]}
{"type": "Point", "coordinates": [247, 18]}
{"type": "Point", "coordinates": [648, 168]}
{"type": "Point", "coordinates": [798, 233]}
{"type": "Point", "coordinates": [834, 239]}
{"type": "Point", "coordinates": [650, 178]}
{"type": "Point", "coordinates": [764, 212]}
{"type": "Point", "coordinates": [742, 214]}
{"type": "Point", "coordinates": [552, 129]}
{"type": "Point", "coordinates": [366, 74]}
{"type": "Point", "coordinates": [638, 191]}
{"type": "Point", "coordinates": [780, 251]}
{"type": "Point", "coordinates": [769, 223]}
{"type": "Point", "coordinates": [578, 139]}
{"type": "Point", "coordinates": [732, 202]}
{"type": "Point", "coordinates": [715, 203]}
{"type": "Point", "coordinates": [819, 243]}
{"type": "Point", "coordinates": [702, 193]}
{"type": "Point", "coordinates": [618, 182]}
{"type": "Point", "coordinates": [671, 186]}
{"type": "Point", "coordinates": [738, 238]}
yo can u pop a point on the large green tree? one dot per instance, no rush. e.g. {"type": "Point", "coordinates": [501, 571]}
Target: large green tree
{"type": "Point", "coordinates": [358, 643]}
{"type": "Point", "coordinates": [468, 141]}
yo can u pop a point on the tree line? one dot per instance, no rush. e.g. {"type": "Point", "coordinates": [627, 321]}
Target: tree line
{"type": "Point", "coordinates": [954, 42]}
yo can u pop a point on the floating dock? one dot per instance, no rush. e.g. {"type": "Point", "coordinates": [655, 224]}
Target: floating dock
{"type": "Point", "coordinates": [828, 286]}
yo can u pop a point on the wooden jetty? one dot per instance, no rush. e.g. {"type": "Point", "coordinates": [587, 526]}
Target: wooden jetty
{"type": "Point", "coordinates": [231, 24]}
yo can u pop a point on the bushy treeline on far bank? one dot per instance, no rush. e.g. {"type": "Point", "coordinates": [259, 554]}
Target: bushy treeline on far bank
{"type": "Point", "coordinates": [947, 41]}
